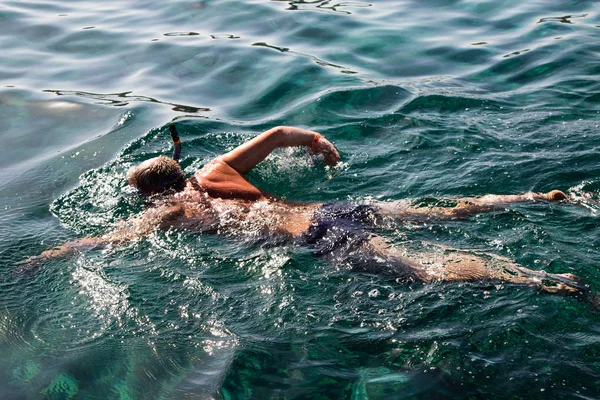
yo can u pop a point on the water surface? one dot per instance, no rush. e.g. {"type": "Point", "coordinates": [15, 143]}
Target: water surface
{"type": "Point", "coordinates": [424, 99]}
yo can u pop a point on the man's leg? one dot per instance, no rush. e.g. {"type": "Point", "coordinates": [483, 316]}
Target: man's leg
{"type": "Point", "coordinates": [442, 264]}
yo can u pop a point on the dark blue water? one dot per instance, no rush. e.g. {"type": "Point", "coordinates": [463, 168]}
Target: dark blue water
{"type": "Point", "coordinates": [423, 99]}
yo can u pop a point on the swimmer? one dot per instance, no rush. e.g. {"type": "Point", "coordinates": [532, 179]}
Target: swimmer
{"type": "Point", "coordinates": [218, 198]}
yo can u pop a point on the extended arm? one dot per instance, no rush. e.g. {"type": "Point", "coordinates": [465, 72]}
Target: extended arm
{"type": "Point", "coordinates": [505, 199]}
{"type": "Point", "coordinates": [162, 217]}
{"type": "Point", "coordinates": [32, 263]}
{"type": "Point", "coordinates": [249, 154]}
{"type": "Point", "coordinates": [463, 207]}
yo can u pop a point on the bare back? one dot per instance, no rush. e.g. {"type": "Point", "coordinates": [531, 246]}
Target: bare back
{"type": "Point", "coordinates": [219, 198]}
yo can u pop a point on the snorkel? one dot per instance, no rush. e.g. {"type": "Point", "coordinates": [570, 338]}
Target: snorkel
{"type": "Point", "coordinates": [176, 142]}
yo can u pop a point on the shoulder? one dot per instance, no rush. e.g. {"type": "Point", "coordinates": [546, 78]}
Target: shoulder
{"type": "Point", "coordinates": [219, 179]}
{"type": "Point", "coordinates": [216, 170]}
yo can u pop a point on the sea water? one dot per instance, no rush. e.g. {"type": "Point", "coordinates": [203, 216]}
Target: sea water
{"type": "Point", "coordinates": [424, 99]}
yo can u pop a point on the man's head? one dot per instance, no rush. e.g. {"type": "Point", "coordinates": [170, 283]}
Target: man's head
{"type": "Point", "coordinates": [157, 175]}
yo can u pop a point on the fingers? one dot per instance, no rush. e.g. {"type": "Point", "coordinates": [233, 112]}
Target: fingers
{"type": "Point", "coordinates": [330, 160]}
{"type": "Point", "coordinates": [331, 156]}
{"type": "Point", "coordinates": [333, 151]}
{"type": "Point", "coordinates": [327, 149]}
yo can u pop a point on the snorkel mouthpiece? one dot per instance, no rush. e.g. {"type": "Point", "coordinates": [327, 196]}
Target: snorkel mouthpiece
{"type": "Point", "coordinates": [176, 143]}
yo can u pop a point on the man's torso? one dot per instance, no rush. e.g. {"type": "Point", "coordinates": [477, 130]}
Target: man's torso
{"type": "Point", "coordinates": [218, 198]}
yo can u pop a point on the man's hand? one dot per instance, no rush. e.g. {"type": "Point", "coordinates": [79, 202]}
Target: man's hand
{"type": "Point", "coordinates": [324, 147]}
{"type": "Point", "coordinates": [555, 195]}
{"type": "Point", "coordinates": [33, 263]}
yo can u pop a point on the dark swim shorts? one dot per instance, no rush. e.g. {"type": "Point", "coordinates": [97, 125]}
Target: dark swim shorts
{"type": "Point", "coordinates": [340, 226]}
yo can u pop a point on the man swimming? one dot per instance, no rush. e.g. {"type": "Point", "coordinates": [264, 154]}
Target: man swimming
{"type": "Point", "coordinates": [218, 198]}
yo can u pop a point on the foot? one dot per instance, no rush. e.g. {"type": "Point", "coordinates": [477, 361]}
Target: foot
{"type": "Point", "coordinates": [560, 289]}
{"type": "Point", "coordinates": [568, 279]}
{"type": "Point", "coordinates": [569, 276]}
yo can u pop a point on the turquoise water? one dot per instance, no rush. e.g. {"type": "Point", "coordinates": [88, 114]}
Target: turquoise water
{"type": "Point", "coordinates": [423, 99]}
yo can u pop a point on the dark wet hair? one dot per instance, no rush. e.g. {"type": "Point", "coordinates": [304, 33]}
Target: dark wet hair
{"type": "Point", "coordinates": [157, 175]}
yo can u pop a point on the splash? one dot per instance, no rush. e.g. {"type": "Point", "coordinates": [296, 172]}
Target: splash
{"type": "Point", "coordinates": [586, 195]}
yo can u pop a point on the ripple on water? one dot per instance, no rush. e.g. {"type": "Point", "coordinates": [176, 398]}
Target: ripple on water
{"type": "Point", "coordinates": [98, 310]}
{"type": "Point", "coordinates": [471, 98]}
{"type": "Point", "coordinates": [181, 34]}
{"type": "Point", "coordinates": [346, 7]}
{"type": "Point", "coordinates": [13, 331]}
